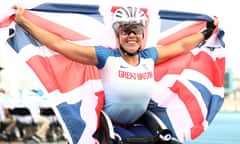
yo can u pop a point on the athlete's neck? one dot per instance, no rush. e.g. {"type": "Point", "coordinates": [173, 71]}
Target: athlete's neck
{"type": "Point", "coordinates": [132, 60]}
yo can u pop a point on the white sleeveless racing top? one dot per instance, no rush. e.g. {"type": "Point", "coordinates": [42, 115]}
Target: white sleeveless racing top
{"type": "Point", "coordinates": [127, 88]}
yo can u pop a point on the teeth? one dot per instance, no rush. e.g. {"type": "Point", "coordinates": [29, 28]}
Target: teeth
{"type": "Point", "coordinates": [131, 41]}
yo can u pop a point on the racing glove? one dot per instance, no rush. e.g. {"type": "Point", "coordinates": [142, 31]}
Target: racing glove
{"type": "Point", "coordinates": [209, 29]}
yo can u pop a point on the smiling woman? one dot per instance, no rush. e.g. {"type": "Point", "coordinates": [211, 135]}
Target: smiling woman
{"type": "Point", "coordinates": [118, 74]}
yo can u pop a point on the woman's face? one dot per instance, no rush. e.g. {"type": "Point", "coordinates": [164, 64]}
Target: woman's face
{"type": "Point", "coordinates": [130, 37]}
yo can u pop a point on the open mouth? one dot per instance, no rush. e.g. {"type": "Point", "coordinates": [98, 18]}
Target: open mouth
{"type": "Point", "coordinates": [132, 42]}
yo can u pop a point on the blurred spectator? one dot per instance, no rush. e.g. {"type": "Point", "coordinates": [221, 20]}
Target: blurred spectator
{"type": "Point", "coordinates": [42, 130]}
{"type": "Point", "coordinates": [5, 118]}
{"type": "Point", "coordinates": [3, 89]}
{"type": "Point", "coordinates": [33, 102]}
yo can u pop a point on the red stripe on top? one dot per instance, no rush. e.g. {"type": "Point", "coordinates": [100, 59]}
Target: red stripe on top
{"type": "Point", "coordinates": [58, 72]}
{"type": "Point", "coordinates": [55, 28]}
{"type": "Point", "coordinates": [202, 63]}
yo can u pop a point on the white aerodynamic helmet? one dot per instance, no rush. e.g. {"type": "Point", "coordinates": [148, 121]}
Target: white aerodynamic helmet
{"type": "Point", "coordinates": [128, 15]}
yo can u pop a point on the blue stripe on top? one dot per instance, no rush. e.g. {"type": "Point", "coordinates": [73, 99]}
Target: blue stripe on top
{"type": "Point", "coordinates": [68, 8]}
{"type": "Point", "coordinates": [103, 53]}
{"type": "Point", "coordinates": [86, 9]}
{"type": "Point", "coordinates": [93, 9]}
{"type": "Point", "coordinates": [172, 18]}
{"type": "Point", "coordinates": [183, 16]}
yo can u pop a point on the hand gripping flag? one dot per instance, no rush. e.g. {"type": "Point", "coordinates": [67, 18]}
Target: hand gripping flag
{"type": "Point", "coordinates": [190, 89]}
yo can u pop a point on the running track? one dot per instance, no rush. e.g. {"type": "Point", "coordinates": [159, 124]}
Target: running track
{"type": "Point", "coordinates": [225, 129]}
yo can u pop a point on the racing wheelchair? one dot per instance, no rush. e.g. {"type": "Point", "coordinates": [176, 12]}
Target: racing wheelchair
{"type": "Point", "coordinates": [160, 134]}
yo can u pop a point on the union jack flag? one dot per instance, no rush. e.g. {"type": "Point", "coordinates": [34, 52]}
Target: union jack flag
{"type": "Point", "coordinates": [191, 89]}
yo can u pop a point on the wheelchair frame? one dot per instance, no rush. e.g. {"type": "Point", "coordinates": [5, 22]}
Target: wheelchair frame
{"type": "Point", "coordinates": [161, 134]}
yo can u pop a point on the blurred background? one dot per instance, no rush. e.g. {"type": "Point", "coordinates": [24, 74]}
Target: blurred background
{"type": "Point", "coordinates": [226, 127]}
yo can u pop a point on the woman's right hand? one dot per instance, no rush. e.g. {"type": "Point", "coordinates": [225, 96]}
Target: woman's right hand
{"type": "Point", "coordinates": [19, 14]}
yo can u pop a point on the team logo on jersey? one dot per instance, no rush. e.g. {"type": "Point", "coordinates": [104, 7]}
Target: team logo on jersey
{"type": "Point", "coordinates": [121, 66]}
{"type": "Point", "coordinates": [145, 66]}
